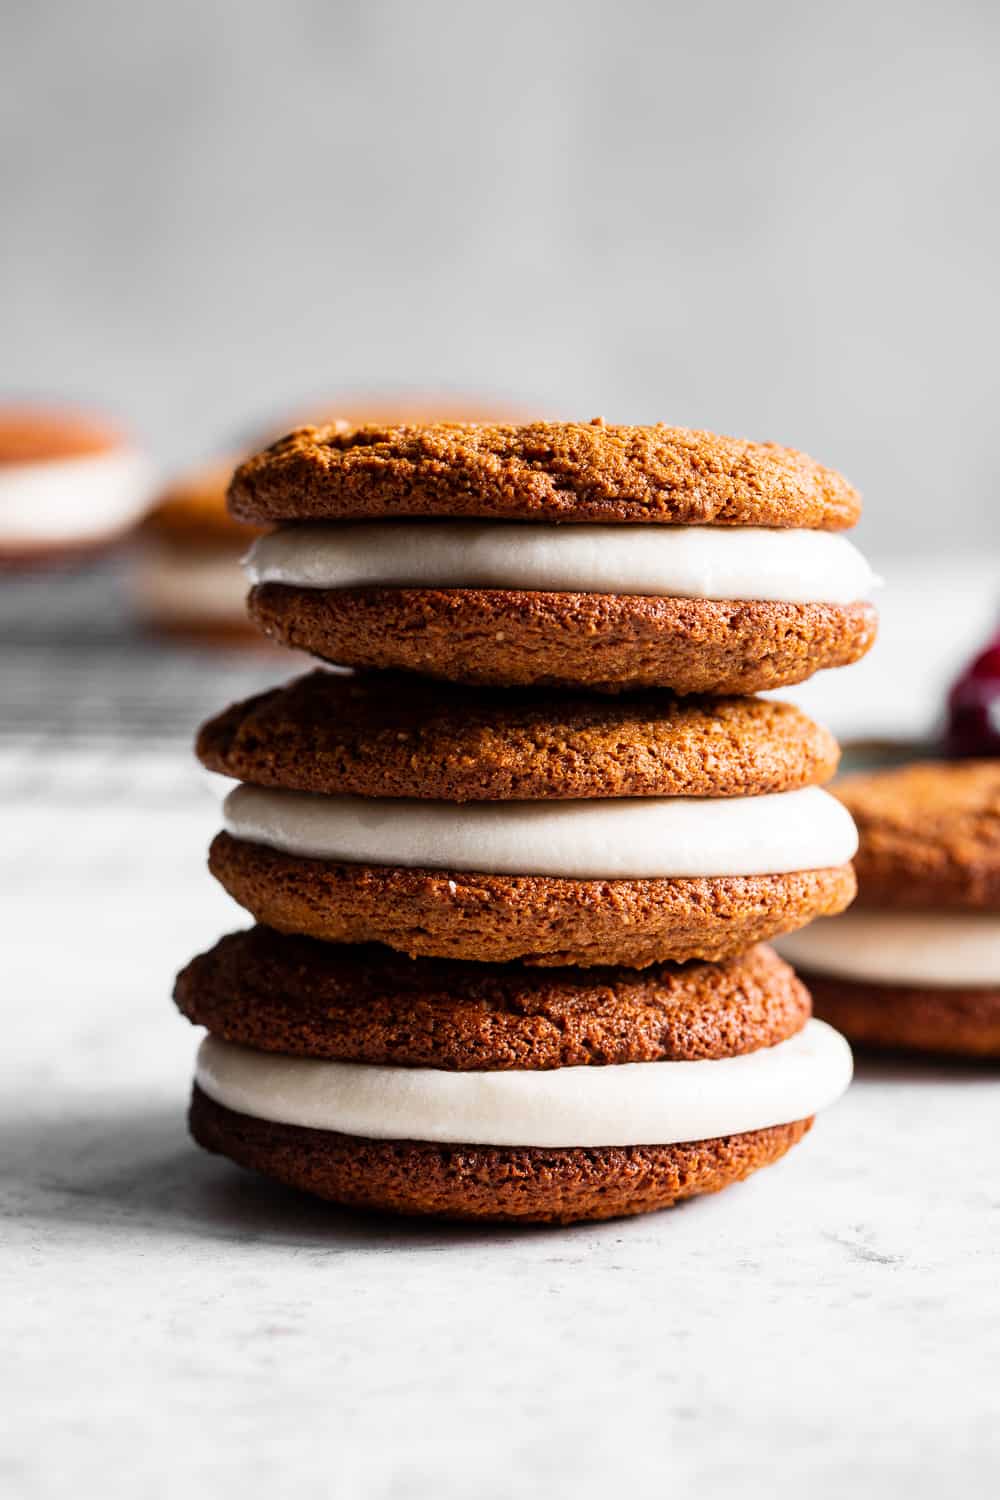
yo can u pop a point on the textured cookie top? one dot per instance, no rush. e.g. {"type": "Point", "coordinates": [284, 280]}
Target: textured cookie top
{"type": "Point", "coordinates": [542, 471]}
{"type": "Point", "coordinates": [930, 835]}
{"type": "Point", "coordinates": [192, 508]}
{"type": "Point", "coordinates": [295, 995]}
{"type": "Point", "coordinates": [36, 434]}
{"type": "Point", "coordinates": [383, 735]}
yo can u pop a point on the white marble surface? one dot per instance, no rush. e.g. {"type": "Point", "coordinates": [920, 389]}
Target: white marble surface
{"type": "Point", "coordinates": [174, 1327]}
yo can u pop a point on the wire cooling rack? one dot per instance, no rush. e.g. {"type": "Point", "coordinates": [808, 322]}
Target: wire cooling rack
{"type": "Point", "coordinates": [77, 670]}
{"type": "Point", "coordinates": [97, 772]}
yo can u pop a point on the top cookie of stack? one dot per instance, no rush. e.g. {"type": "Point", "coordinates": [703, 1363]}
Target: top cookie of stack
{"type": "Point", "coordinates": [557, 554]}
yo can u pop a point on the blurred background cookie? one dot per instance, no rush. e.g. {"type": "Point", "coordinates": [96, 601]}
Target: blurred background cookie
{"type": "Point", "coordinates": [188, 579]}
{"type": "Point", "coordinates": [70, 482]}
{"type": "Point", "coordinates": [916, 963]}
{"type": "Point", "coordinates": [391, 407]}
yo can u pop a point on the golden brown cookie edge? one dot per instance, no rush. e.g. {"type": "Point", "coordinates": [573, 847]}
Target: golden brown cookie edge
{"type": "Point", "coordinates": [946, 1022]}
{"type": "Point", "coordinates": [491, 1184]}
{"type": "Point", "coordinates": [393, 735]}
{"type": "Point", "coordinates": [542, 471]}
{"type": "Point", "coordinates": [600, 642]}
{"type": "Point", "coordinates": [535, 919]}
{"type": "Point", "coordinates": [929, 835]}
{"type": "Point", "coordinates": [277, 992]}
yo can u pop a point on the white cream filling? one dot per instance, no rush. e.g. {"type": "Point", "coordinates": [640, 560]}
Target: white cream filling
{"type": "Point", "coordinates": [624, 838]}
{"type": "Point", "coordinates": [628, 1104]}
{"type": "Point", "coordinates": [682, 562]}
{"type": "Point", "coordinates": [940, 950]}
{"type": "Point", "coordinates": [178, 584]}
{"type": "Point", "coordinates": [72, 499]}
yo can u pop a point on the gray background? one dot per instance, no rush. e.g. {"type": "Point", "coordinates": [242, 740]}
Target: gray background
{"type": "Point", "coordinates": [776, 219]}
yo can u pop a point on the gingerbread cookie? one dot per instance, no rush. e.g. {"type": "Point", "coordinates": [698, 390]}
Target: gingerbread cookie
{"type": "Point", "coordinates": [548, 471]}
{"type": "Point", "coordinates": [535, 919]}
{"type": "Point", "coordinates": [377, 735]}
{"type": "Point", "coordinates": [368, 1004]}
{"type": "Point", "coordinates": [607, 643]}
{"type": "Point", "coordinates": [527, 1185]}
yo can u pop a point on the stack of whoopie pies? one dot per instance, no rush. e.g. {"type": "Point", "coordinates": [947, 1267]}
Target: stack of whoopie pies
{"type": "Point", "coordinates": [515, 870]}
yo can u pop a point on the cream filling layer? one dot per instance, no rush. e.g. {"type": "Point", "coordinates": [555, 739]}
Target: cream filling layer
{"type": "Point", "coordinates": [72, 498]}
{"type": "Point", "coordinates": [625, 838]}
{"type": "Point", "coordinates": [939, 950]}
{"type": "Point", "coordinates": [175, 584]}
{"type": "Point", "coordinates": [682, 562]}
{"type": "Point", "coordinates": [626, 1104]}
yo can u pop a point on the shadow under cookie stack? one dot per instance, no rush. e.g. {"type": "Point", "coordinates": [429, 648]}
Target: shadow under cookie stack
{"type": "Point", "coordinates": [515, 872]}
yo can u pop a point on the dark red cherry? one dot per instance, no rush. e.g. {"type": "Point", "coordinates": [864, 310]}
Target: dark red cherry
{"type": "Point", "coordinates": [974, 707]}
